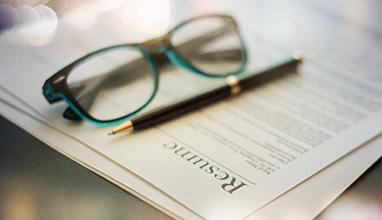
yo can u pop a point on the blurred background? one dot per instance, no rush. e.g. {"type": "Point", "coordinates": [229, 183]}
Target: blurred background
{"type": "Point", "coordinates": [35, 22]}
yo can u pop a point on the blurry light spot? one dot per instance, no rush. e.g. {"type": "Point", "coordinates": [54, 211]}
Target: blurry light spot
{"type": "Point", "coordinates": [81, 17]}
{"type": "Point", "coordinates": [48, 21]}
{"type": "Point", "coordinates": [104, 5]}
{"type": "Point", "coordinates": [36, 25]}
{"type": "Point", "coordinates": [19, 202]}
{"type": "Point", "coordinates": [8, 17]}
{"type": "Point", "coordinates": [355, 209]}
{"type": "Point", "coordinates": [27, 16]}
{"type": "Point", "coordinates": [146, 18]}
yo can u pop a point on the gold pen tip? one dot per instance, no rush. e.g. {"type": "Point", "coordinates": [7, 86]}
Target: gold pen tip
{"type": "Point", "coordinates": [297, 55]}
{"type": "Point", "coordinates": [124, 127]}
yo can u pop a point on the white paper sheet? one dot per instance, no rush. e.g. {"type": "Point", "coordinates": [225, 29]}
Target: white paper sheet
{"type": "Point", "coordinates": [236, 148]}
{"type": "Point", "coordinates": [296, 203]}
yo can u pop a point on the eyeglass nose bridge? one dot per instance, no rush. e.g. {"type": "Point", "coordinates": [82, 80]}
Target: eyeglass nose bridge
{"type": "Point", "coordinates": [157, 45]}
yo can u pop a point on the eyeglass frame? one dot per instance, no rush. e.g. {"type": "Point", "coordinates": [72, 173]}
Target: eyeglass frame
{"type": "Point", "coordinates": [56, 87]}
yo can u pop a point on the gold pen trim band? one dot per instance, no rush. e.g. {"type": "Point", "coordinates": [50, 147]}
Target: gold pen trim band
{"type": "Point", "coordinates": [124, 127]}
{"type": "Point", "coordinates": [233, 82]}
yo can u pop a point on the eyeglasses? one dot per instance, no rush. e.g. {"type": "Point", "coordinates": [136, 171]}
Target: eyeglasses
{"type": "Point", "coordinates": [110, 85]}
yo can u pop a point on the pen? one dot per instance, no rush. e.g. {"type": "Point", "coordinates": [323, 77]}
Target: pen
{"type": "Point", "coordinates": [234, 86]}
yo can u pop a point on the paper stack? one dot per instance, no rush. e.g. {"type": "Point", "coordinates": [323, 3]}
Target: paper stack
{"type": "Point", "coordinates": [291, 146]}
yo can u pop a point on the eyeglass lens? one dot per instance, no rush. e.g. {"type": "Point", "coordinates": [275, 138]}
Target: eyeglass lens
{"type": "Point", "coordinates": [220, 51]}
{"type": "Point", "coordinates": [113, 83]}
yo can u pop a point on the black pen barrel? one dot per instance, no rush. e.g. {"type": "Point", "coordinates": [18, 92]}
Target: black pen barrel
{"type": "Point", "coordinates": [271, 73]}
{"type": "Point", "coordinates": [180, 108]}
{"type": "Point", "coordinates": [172, 111]}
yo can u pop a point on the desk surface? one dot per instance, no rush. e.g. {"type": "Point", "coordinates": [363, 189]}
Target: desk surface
{"type": "Point", "coordinates": [362, 200]}
{"type": "Point", "coordinates": [39, 183]}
